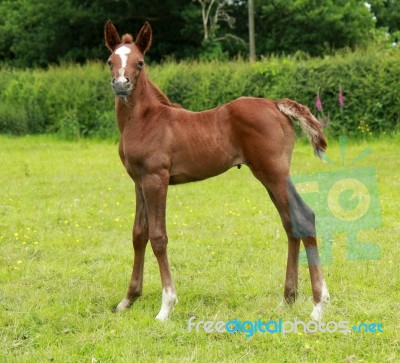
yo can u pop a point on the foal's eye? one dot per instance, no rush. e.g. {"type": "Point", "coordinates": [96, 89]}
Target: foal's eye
{"type": "Point", "coordinates": [140, 64]}
{"type": "Point", "coordinates": [109, 63]}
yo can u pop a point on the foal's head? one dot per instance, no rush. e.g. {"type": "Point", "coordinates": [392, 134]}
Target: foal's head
{"type": "Point", "coordinates": [127, 58]}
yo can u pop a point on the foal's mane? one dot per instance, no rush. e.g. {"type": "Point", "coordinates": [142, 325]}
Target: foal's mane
{"type": "Point", "coordinates": [161, 96]}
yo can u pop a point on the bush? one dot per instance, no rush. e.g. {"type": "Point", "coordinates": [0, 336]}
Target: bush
{"type": "Point", "coordinates": [73, 101]}
{"type": "Point", "coordinates": [76, 101]}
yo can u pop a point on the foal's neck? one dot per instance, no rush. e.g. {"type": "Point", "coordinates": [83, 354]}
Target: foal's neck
{"type": "Point", "coordinates": [162, 97]}
{"type": "Point", "coordinates": [146, 91]}
{"type": "Point", "coordinates": [144, 97]}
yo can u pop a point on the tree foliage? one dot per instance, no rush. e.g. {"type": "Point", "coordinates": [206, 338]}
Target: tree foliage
{"type": "Point", "coordinates": [311, 26]}
{"type": "Point", "coordinates": [387, 14]}
{"type": "Point", "coordinates": [43, 32]}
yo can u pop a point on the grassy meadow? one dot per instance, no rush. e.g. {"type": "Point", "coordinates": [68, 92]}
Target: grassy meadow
{"type": "Point", "coordinates": [66, 212]}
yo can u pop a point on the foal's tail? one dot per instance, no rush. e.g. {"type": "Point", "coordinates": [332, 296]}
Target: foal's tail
{"type": "Point", "coordinates": [309, 124]}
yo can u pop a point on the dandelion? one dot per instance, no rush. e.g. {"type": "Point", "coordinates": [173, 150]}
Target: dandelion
{"type": "Point", "coordinates": [318, 104]}
{"type": "Point", "coordinates": [340, 97]}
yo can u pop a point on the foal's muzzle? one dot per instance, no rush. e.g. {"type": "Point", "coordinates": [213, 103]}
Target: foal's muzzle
{"type": "Point", "coordinates": [121, 86]}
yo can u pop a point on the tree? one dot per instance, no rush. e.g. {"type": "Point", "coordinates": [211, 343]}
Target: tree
{"type": "Point", "coordinates": [212, 15]}
{"type": "Point", "coordinates": [218, 26]}
{"type": "Point", "coordinates": [41, 32]}
{"type": "Point", "coordinates": [387, 13]}
{"type": "Point", "coordinates": [311, 26]}
{"type": "Point", "coordinates": [252, 38]}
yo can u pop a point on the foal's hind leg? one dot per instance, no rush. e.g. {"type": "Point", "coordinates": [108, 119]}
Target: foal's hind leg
{"type": "Point", "coordinates": [302, 221]}
{"type": "Point", "coordinates": [140, 236]}
{"type": "Point", "coordinates": [292, 267]}
{"type": "Point", "coordinates": [299, 222]}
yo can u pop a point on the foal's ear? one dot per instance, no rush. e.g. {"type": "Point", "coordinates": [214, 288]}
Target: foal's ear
{"type": "Point", "coordinates": [143, 40]}
{"type": "Point", "coordinates": [111, 36]}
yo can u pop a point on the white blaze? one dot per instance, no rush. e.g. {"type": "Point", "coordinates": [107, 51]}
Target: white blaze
{"type": "Point", "coordinates": [123, 53]}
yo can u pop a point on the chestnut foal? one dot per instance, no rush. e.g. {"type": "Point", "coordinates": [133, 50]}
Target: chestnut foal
{"type": "Point", "coordinates": [163, 144]}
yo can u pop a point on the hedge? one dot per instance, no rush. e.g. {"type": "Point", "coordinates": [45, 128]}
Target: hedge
{"type": "Point", "coordinates": [76, 101]}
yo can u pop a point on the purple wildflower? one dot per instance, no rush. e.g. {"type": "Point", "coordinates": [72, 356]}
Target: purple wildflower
{"type": "Point", "coordinates": [340, 97]}
{"type": "Point", "coordinates": [319, 103]}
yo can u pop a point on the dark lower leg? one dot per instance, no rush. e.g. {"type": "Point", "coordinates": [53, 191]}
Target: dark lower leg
{"type": "Point", "coordinates": [314, 266]}
{"type": "Point", "coordinates": [319, 289]}
{"type": "Point", "coordinates": [279, 198]}
{"type": "Point", "coordinates": [136, 283]}
{"type": "Point", "coordinates": [292, 270]}
{"type": "Point", "coordinates": [140, 236]}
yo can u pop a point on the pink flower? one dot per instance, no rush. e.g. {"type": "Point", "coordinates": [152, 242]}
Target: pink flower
{"type": "Point", "coordinates": [340, 97]}
{"type": "Point", "coordinates": [318, 103]}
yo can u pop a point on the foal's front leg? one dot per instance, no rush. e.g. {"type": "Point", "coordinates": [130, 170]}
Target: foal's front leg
{"type": "Point", "coordinates": [155, 193]}
{"type": "Point", "coordinates": [140, 237]}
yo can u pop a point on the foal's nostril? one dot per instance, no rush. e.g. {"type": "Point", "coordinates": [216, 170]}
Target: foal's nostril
{"type": "Point", "coordinates": [121, 80]}
{"type": "Point", "coordinates": [121, 86]}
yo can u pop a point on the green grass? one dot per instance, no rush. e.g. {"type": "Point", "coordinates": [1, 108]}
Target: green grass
{"type": "Point", "coordinates": [66, 211]}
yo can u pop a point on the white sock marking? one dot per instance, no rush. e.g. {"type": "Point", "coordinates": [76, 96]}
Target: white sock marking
{"type": "Point", "coordinates": [318, 309]}
{"type": "Point", "coordinates": [169, 299]}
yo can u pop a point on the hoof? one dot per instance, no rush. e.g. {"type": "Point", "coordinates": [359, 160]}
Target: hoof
{"type": "Point", "coordinates": [284, 304]}
{"type": "Point", "coordinates": [317, 313]}
{"type": "Point", "coordinates": [162, 317]}
{"type": "Point", "coordinates": [123, 305]}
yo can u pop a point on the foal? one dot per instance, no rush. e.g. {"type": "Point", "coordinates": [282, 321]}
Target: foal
{"type": "Point", "coordinates": [163, 144]}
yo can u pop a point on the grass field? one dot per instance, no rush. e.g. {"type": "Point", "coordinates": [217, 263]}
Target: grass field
{"type": "Point", "coordinates": [66, 211]}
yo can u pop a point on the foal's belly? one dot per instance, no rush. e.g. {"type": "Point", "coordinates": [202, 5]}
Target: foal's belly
{"type": "Point", "coordinates": [193, 166]}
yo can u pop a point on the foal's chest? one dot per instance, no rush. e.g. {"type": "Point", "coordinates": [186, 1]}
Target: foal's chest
{"type": "Point", "coordinates": [142, 153]}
